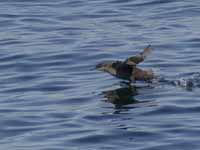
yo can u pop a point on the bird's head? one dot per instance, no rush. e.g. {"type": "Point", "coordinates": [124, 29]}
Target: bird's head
{"type": "Point", "coordinates": [108, 66]}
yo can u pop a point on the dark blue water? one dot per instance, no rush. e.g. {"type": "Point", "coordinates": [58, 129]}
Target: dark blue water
{"type": "Point", "coordinates": [52, 98]}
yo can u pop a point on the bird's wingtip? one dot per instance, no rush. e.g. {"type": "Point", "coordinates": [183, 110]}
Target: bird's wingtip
{"type": "Point", "coordinates": [147, 51]}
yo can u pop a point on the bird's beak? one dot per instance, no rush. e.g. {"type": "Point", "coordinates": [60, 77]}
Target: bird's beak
{"type": "Point", "coordinates": [100, 67]}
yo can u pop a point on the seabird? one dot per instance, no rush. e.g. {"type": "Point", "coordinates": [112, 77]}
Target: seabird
{"type": "Point", "coordinates": [128, 69]}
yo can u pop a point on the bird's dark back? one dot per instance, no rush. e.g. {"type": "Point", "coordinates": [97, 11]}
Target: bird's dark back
{"type": "Point", "coordinates": [123, 70]}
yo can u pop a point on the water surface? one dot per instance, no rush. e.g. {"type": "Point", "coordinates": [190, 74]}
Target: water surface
{"type": "Point", "coordinates": [52, 97]}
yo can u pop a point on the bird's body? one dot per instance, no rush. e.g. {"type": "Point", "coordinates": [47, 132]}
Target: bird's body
{"type": "Point", "coordinates": [128, 69]}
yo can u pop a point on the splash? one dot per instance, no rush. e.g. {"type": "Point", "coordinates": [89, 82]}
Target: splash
{"type": "Point", "coordinates": [188, 81]}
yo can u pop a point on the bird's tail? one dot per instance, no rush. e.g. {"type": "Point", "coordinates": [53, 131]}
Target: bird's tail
{"type": "Point", "coordinates": [147, 51]}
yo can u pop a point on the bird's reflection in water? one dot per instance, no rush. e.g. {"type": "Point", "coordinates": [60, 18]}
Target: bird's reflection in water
{"type": "Point", "coordinates": [124, 96]}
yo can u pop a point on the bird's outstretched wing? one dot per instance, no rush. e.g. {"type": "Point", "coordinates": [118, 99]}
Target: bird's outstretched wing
{"type": "Point", "coordinates": [139, 58]}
